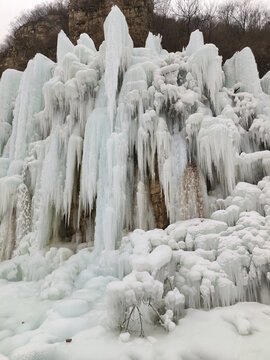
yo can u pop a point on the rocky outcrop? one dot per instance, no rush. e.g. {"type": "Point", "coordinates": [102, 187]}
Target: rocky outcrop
{"type": "Point", "coordinates": [88, 16]}
{"type": "Point", "coordinates": [32, 38]}
{"type": "Point", "coordinates": [82, 16]}
{"type": "Point", "coordinates": [192, 193]}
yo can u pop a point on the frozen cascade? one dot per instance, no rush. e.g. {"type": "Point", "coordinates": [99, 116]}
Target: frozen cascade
{"type": "Point", "coordinates": [99, 147]}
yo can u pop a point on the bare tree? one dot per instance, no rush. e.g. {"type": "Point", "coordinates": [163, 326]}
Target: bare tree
{"type": "Point", "coordinates": [225, 13]}
{"type": "Point", "coordinates": [259, 17]}
{"type": "Point", "coordinates": [209, 18]}
{"type": "Point", "coordinates": [242, 14]}
{"type": "Point", "coordinates": [188, 10]}
{"type": "Point", "coordinates": [162, 7]}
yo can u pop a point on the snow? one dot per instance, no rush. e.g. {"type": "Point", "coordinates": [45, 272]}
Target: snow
{"type": "Point", "coordinates": [87, 146]}
{"type": "Point", "coordinates": [29, 335]}
{"type": "Point", "coordinates": [160, 257]}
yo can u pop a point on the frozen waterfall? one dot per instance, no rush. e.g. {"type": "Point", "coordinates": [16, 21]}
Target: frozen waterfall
{"type": "Point", "coordinates": [102, 147]}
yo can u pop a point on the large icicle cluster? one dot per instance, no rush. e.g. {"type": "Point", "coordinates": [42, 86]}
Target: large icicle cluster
{"type": "Point", "coordinates": [90, 143]}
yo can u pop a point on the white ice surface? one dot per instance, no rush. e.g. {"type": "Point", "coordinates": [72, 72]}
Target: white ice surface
{"type": "Point", "coordinates": [32, 329]}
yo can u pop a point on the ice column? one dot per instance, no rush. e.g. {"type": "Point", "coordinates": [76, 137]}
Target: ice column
{"type": "Point", "coordinates": [118, 52]}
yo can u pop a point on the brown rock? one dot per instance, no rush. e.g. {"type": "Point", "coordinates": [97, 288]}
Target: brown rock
{"type": "Point", "coordinates": [82, 16]}
{"type": "Point", "coordinates": [158, 201]}
{"type": "Point", "coordinates": [32, 38]}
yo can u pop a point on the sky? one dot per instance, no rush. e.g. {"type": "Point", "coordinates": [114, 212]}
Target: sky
{"type": "Point", "coordinates": [10, 9]}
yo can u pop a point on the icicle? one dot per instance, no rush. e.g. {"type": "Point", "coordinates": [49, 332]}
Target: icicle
{"type": "Point", "coordinates": [218, 145]}
{"type": "Point", "coordinates": [96, 134]}
{"type": "Point", "coordinates": [9, 86]}
{"type": "Point", "coordinates": [205, 64]}
{"type": "Point", "coordinates": [118, 52]}
{"type": "Point", "coordinates": [74, 154]}
{"type": "Point", "coordinates": [28, 103]}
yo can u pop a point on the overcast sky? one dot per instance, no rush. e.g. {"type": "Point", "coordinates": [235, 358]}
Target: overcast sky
{"type": "Point", "coordinates": [10, 9]}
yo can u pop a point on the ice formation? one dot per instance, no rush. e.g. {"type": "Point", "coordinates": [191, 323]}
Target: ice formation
{"type": "Point", "coordinates": [86, 142]}
{"type": "Point", "coordinates": [195, 43]}
{"type": "Point", "coordinates": [242, 70]}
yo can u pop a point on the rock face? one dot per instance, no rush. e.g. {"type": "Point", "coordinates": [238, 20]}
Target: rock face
{"type": "Point", "coordinates": [82, 16]}
{"type": "Point", "coordinates": [158, 201]}
{"type": "Point", "coordinates": [32, 38]}
{"type": "Point", "coordinates": [88, 16]}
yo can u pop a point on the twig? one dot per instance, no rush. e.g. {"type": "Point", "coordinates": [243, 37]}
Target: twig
{"type": "Point", "coordinates": [169, 281]}
{"type": "Point", "coordinates": [158, 314]}
{"type": "Point", "coordinates": [128, 320]}
{"type": "Point", "coordinates": [140, 316]}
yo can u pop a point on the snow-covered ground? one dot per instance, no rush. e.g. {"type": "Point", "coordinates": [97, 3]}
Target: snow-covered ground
{"type": "Point", "coordinates": [34, 329]}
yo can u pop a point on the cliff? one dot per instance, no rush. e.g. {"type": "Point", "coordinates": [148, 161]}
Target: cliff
{"type": "Point", "coordinates": [88, 16]}
{"type": "Point", "coordinates": [34, 37]}
{"type": "Point", "coordinates": [83, 16]}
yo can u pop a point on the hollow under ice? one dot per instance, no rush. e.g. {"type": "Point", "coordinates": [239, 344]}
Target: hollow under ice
{"type": "Point", "coordinates": [84, 140]}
